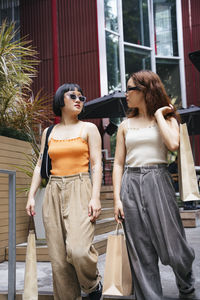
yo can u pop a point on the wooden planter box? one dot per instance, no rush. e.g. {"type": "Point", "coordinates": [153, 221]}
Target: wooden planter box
{"type": "Point", "coordinates": [11, 154]}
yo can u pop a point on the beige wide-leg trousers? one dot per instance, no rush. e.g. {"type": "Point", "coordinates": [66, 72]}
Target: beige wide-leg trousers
{"type": "Point", "coordinates": [69, 235]}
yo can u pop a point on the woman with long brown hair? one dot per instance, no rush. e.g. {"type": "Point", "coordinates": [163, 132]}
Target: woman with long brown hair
{"type": "Point", "coordinates": [144, 197]}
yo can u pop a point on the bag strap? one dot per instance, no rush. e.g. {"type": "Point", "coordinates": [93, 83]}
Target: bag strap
{"type": "Point", "coordinates": [31, 223]}
{"type": "Point", "coordinates": [117, 228]}
{"type": "Point", "coordinates": [48, 134]}
{"type": "Point", "coordinates": [31, 226]}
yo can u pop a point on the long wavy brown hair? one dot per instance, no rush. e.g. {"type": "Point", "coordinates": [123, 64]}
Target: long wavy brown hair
{"type": "Point", "coordinates": [155, 94]}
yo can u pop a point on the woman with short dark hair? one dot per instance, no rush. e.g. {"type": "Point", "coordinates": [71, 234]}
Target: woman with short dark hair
{"type": "Point", "coordinates": [72, 203]}
{"type": "Point", "coordinates": [144, 197]}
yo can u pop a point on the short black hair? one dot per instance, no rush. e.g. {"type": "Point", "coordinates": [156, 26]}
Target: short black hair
{"type": "Point", "coordinates": [58, 99]}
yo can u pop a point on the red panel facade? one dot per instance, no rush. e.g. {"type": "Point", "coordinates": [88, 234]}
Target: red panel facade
{"type": "Point", "coordinates": [191, 39]}
{"type": "Point", "coordinates": [35, 18]}
{"type": "Point", "coordinates": [78, 59]}
{"type": "Point", "coordinates": [78, 45]}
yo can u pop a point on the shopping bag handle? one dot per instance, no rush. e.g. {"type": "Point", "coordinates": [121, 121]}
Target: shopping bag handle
{"type": "Point", "coordinates": [31, 226]}
{"type": "Point", "coordinates": [117, 228]}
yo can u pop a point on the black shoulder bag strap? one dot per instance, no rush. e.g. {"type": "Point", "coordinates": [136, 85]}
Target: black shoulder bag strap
{"type": "Point", "coordinates": [46, 161]}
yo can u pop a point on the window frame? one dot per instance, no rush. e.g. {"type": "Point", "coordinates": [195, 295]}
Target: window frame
{"type": "Point", "coordinates": [151, 48]}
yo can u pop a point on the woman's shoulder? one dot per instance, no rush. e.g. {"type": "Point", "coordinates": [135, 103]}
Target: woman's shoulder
{"type": "Point", "coordinates": [88, 125]}
{"type": "Point", "coordinates": [124, 124]}
{"type": "Point", "coordinates": [89, 128]}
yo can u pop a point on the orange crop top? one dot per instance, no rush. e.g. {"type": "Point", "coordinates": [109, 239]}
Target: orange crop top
{"type": "Point", "coordinates": [68, 157]}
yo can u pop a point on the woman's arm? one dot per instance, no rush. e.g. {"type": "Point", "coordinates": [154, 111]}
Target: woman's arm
{"type": "Point", "coordinates": [36, 179]}
{"type": "Point", "coordinates": [94, 142]}
{"type": "Point", "coordinates": [118, 168]}
{"type": "Point", "coordinates": [169, 128]}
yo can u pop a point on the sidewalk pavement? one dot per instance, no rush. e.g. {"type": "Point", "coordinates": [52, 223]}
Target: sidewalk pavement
{"type": "Point", "coordinates": [167, 277]}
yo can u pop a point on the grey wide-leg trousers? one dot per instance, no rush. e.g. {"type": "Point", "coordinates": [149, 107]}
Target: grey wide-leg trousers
{"type": "Point", "coordinates": [154, 230]}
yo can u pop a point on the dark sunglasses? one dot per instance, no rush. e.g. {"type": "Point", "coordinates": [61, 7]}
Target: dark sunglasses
{"type": "Point", "coordinates": [132, 88]}
{"type": "Point", "coordinates": [73, 97]}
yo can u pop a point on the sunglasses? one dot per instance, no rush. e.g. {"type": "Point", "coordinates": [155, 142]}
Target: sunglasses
{"type": "Point", "coordinates": [74, 97]}
{"type": "Point", "coordinates": [132, 88]}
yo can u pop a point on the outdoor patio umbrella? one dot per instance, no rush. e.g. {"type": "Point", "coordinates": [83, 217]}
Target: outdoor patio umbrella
{"type": "Point", "coordinates": [195, 59]}
{"type": "Point", "coordinates": [191, 116]}
{"type": "Point", "coordinates": [114, 106]}
{"type": "Point", "coordinates": [110, 106]}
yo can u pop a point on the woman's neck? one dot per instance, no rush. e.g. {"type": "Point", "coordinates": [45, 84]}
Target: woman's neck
{"type": "Point", "coordinates": [69, 121]}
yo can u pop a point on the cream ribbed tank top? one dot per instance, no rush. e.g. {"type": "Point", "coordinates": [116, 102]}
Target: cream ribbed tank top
{"type": "Point", "coordinates": [144, 146]}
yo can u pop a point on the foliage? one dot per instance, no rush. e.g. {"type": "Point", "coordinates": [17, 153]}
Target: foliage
{"type": "Point", "coordinates": [31, 161]}
{"type": "Point", "coordinates": [18, 108]}
{"type": "Point", "coordinates": [17, 67]}
{"type": "Point", "coordinates": [20, 111]}
{"type": "Point", "coordinates": [13, 133]}
{"type": "Point", "coordinates": [171, 156]}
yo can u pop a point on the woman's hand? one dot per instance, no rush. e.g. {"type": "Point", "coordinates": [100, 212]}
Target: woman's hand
{"type": "Point", "coordinates": [164, 110]}
{"type": "Point", "coordinates": [94, 209]}
{"type": "Point", "coordinates": [30, 207]}
{"type": "Point", "coordinates": [118, 212]}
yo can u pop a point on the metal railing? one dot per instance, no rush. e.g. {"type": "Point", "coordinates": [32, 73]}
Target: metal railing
{"type": "Point", "coordinates": [12, 234]}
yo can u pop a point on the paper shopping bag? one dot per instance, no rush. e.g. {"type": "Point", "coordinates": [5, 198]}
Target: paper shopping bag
{"type": "Point", "coordinates": [117, 273]}
{"type": "Point", "coordinates": [30, 277]}
{"type": "Point", "coordinates": [188, 186]}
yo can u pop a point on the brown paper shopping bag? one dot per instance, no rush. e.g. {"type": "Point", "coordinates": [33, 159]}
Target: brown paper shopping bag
{"type": "Point", "coordinates": [30, 277]}
{"type": "Point", "coordinates": [117, 273]}
{"type": "Point", "coordinates": [188, 186]}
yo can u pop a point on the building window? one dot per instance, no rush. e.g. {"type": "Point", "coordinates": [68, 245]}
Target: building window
{"type": "Point", "coordinates": [112, 45]}
{"type": "Point", "coordinates": [165, 28]}
{"type": "Point", "coordinates": [9, 10]}
{"type": "Point", "coordinates": [136, 60]}
{"type": "Point", "coordinates": [144, 34]}
{"type": "Point", "coordinates": [111, 19]}
{"type": "Point", "coordinates": [168, 70]}
{"type": "Point", "coordinates": [113, 70]}
{"type": "Point", "coordinates": [136, 22]}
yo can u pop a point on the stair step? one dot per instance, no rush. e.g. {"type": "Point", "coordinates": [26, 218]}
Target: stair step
{"type": "Point", "coordinates": [118, 297]}
{"type": "Point", "coordinates": [106, 213]}
{"type": "Point", "coordinates": [107, 203]}
{"type": "Point", "coordinates": [106, 188]}
{"type": "Point", "coordinates": [49, 296]}
{"type": "Point", "coordinates": [105, 225]}
{"type": "Point", "coordinates": [106, 196]}
{"type": "Point", "coordinates": [41, 296]}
